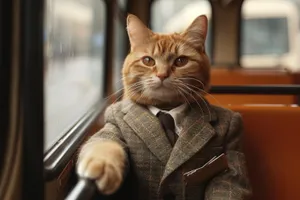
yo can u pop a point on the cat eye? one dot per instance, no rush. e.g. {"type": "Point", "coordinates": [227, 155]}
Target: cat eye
{"type": "Point", "coordinates": [180, 61]}
{"type": "Point", "coordinates": [147, 60]}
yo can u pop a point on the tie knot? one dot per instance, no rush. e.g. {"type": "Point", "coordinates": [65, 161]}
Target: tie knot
{"type": "Point", "coordinates": [167, 121]}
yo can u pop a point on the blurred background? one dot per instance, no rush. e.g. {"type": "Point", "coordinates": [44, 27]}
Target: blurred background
{"type": "Point", "coordinates": [61, 62]}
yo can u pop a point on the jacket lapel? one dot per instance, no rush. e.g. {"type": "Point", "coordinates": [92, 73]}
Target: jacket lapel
{"type": "Point", "coordinates": [196, 132]}
{"type": "Point", "coordinates": [148, 128]}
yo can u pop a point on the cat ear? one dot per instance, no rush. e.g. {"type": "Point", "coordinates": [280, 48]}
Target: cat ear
{"type": "Point", "coordinates": [138, 33]}
{"type": "Point", "coordinates": [197, 31]}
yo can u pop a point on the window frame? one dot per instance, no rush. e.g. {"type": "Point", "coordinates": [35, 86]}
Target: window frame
{"type": "Point", "coordinates": [10, 126]}
{"type": "Point", "coordinates": [120, 13]}
{"type": "Point", "coordinates": [32, 98]}
{"type": "Point", "coordinates": [5, 72]}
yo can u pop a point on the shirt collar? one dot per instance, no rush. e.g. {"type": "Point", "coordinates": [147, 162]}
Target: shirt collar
{"type": "Point", "coordinates": [177, 113]}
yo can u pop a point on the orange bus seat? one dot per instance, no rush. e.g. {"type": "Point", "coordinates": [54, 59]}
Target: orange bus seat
{"type": "Point", "coordinates": [240, 76]}
{"type": "Point", "coordinates": [272, 149]}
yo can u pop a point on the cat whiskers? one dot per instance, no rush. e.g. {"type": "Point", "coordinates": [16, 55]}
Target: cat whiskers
{"type": "Point", "coordinates": [181, 93]}
{"type": "Point", "coordinates": [185, 130]}
{"type": "Point", "coordinates": [184, 88]}
{"type": "Point", "coordinates": [201, 90]}
{"type": "Point", "coordinates": [138, 86]}
{"type": "Point", "coordinates": [131, 89]}
{"type": "Point", "coordinates": [113, 94]}
{"type": "Point", "coordinates": [193, 92]}
{"type": "Point", "coordinates": [179, 85]}
{"type": "Point", "coordinates": [179, 90]}
{"type": "Point", "coordinates": [141, 95]}
{"type": "Point", "coordinates": [191, 78]}
{"type": "Point", "coordinates": [119, 90]}
{"type": "Point", "coordinates": [130, 94]}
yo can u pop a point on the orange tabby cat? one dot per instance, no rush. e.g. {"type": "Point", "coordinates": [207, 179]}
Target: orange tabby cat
{"type": "Point", "coordinates": [153, 57]}
{"type": "Point", "coordinates": [165, 71]}
{"type": "Point", "coordinates": [179, 59]}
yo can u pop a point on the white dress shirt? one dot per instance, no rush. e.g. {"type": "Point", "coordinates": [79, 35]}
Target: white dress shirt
{"type": "Point", "coordinates": [177, 114]}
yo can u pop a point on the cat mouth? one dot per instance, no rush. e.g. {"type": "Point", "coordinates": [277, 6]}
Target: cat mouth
{"type": "Point", "coordinates": [160, 87]}
{"type": "Point", "coordinates": [161, 93]}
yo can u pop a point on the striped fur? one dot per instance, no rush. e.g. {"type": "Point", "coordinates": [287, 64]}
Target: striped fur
{"type": "Point", "coordinates": [164, 49]}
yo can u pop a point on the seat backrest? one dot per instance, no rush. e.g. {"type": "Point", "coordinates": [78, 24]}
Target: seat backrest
{"type": "Point", "coordinates": [242, 76]}
{"type": "Point", "coordinates": [272, 149]}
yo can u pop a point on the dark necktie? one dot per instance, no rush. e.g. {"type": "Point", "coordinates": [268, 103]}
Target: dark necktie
{"type": "Point", "coordinates": [168, 125]}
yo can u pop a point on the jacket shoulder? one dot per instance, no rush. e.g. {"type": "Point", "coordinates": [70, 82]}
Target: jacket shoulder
{"type": "Point", "coordinates": [225, 114]}
{"type": "Point", "coordinates": [118, 109]}
{"type": "Point", "coordinates": [115, 106]}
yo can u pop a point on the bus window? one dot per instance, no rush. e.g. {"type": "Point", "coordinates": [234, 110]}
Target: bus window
{"type": "Point", "coordinates": [269, 34]}
{"type": "Point", "coordinates": [169, 16]}
{"type": "Point", "coordinates": [74, 56]}
{"type": "Point", "coordinates": [255, 42]}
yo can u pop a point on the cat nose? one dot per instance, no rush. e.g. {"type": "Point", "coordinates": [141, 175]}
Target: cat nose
{"type": "Point", "coordinates": [162, 76]}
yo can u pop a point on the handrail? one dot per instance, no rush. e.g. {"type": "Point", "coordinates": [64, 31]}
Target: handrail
{"type": "Point", "coordinates": [85, 189]}
{"type": "Point", "coordinates": [256, 89]}
{"type": "Point", "coordinates": [60, 154]}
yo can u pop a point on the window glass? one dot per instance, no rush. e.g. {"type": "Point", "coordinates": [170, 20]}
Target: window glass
{"type": "Point", "coordinates": [272, 37]}
{"type": "Point", "coordinates": [169, 16]}
{"type": "Point", "coordinates": [74, 55]}
{"type": "Point", "coordinates": [270, 34]}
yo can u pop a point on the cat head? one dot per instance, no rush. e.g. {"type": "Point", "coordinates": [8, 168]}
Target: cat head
{"type": "Point", "coordinates": [164, 69]}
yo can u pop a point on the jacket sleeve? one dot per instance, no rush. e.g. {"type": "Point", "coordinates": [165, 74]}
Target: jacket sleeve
{"type": "Point", "coordinates": [234, 183]}
{"type": "Point", "coordinates": [111, 132]}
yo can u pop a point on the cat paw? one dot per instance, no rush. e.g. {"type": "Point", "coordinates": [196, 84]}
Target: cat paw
{"type": "Point", "coordinates": [107, 176]}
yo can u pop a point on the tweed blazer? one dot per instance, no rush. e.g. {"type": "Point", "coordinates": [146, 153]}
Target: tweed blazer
{"type": "Point", "coordinates": [156, 169]}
